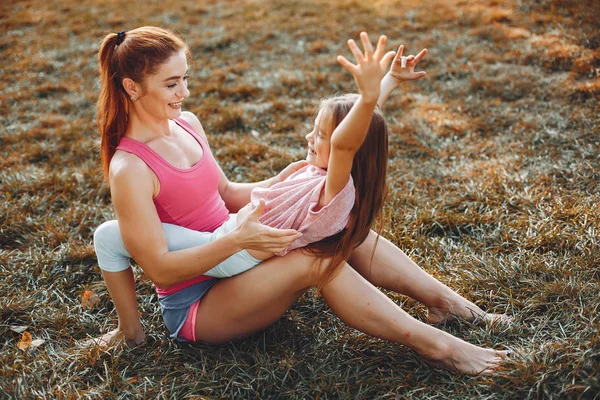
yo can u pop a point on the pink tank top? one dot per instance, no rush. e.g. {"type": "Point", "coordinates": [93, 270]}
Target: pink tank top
{"type": "Point", "coordinates": [187, 197]}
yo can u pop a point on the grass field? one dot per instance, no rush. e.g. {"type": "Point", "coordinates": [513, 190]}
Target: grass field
{"type": "Point", "coordinates": [494, 169]}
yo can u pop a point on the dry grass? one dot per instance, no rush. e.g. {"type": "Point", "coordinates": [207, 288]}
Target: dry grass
{"type": "Point", "coordinates": [494, 170]}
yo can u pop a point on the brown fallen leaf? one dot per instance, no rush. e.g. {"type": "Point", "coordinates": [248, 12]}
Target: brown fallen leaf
{"type": "Point", "coordinates": [89, 300]}
{"type": "Point", "coordinates": [25, 341]}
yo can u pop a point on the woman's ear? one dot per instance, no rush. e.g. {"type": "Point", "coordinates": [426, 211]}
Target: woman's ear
{"type": "Point", "coordinates": [132, 88]}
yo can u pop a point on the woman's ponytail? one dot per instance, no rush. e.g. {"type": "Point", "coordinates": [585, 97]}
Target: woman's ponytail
{"type": "Point", "coordinates": [111, 109]}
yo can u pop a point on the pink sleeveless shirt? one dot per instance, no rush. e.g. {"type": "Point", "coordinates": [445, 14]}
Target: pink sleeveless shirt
{"type": "Point", "coordinates": [292, 204]}
{"type": "Point", "coordinates": [187, 197]}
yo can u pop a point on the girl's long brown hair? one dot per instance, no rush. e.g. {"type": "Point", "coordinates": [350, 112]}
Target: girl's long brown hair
{"type": "Point", "coordinates": [369, 170]}
{"type": "Point", "coordinates": [141, 53]}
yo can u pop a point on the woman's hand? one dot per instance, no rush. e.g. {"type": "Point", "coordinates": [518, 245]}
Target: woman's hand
{"type": "Point", "coordinates": [252, 235]}
{"type": "Point", "coordinates": [370, 67]}
{"type": "Point", "coordinates": [403, 68]}
{"type": "Point", "coordinates": [289, 170]}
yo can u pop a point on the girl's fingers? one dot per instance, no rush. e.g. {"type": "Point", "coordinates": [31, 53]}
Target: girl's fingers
{"type": "Point", "coordinates": [366, 42]}
{"type": "Point", "coordinates": [380, 47]}
{"type": "Point", "coordinates": [387, 59]}
{"type": "Point", "coordinates": [399, 53]}
{"type": "Point", "coordinates": [346, 64]}
{"type": "Point", "coordinates": [356, 51]}
{"type": "Point", "coordinates": [420, 56]}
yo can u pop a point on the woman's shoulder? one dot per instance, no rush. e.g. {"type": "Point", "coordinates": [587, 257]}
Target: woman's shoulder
{"type": "Point", "coordinates": [194, 122]}
{"type": "Point", "coordinates": [125, 166]}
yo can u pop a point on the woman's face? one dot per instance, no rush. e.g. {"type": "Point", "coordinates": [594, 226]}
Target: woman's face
{"type": "Point", "coordinates": [319, 141]}
{"type": "Point", "coordinates": [164, 91]}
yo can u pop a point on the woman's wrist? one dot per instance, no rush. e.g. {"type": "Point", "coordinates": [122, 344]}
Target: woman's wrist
{"type": "Point", "coordinates": [235, 240]}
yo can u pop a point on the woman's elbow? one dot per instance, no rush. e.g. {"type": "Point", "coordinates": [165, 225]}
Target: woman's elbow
{"type": "Point", "coordinates": [160, 280]}
{"type": "Point", "coordinates": [156, 274]}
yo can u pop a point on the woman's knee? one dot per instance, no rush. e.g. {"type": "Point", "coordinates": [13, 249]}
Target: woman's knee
{"type": "Point", "coordinates": [317, 271]}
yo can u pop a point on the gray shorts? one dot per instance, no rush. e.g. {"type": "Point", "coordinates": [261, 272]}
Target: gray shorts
{"type": "Point", "coordinates": [114, 257]}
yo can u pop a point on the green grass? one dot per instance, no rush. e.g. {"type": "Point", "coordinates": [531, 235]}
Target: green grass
{"type": "Point", "coordinates": [494, 169]}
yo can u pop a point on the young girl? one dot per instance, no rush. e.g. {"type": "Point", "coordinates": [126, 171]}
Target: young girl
{"type": "Point", "coordinates": [160, 169]}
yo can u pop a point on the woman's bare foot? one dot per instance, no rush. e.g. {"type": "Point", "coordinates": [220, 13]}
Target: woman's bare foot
{"type": "Point", "coordinates": [114, 337]}
{"type": "Point", "coordinates": [458, 306]}
{"type": "Point", "coordinates": [466, 358]}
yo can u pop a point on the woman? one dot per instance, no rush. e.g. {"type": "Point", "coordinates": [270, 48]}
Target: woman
{"type": "Point", "coordinates": [141, 101]}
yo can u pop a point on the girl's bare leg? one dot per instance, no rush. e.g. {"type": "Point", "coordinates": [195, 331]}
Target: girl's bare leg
{"type": "Point", "coordinates": [121, 287]}
{"type": "Point", "coordinates": [252, 301]}
{"type": "Point", "coordinates": [393, 270]}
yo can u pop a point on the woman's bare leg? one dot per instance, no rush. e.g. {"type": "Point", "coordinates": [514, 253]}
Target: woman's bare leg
{"type": "Point", "coordinates": [121, 288]}
{"type": "Point", "coordinates": [252, 301]}
{"type": "Point", "coordinates": [249, 302]}
{"type": "Point", "coordinates": [392, 269]}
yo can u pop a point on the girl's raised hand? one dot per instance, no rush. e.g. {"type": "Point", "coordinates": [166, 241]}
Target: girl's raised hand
{"type": "Point", "coordinates": [370, 67]}
{"type": "Point", "coordinates": [403, 68]}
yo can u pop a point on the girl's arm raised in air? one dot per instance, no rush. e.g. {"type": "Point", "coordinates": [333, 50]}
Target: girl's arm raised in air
{"type": "Point", "coordinates": [349, 135]}
{"type": "Point", "coordinates": [402, 69]}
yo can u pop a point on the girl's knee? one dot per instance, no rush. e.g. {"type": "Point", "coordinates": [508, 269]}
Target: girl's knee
{"type": "Point", "coordinates": [110, 251]}
{"type": "Point", "coordinates": [106, 232]}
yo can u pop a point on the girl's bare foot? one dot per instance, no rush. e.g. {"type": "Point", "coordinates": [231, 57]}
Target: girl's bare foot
{"type": "Point", "coordinates": [458, 306]}
{"type": "Point", "coordinates": [114, 337]}
{"type": "Point", "coordinates": [466, 358]}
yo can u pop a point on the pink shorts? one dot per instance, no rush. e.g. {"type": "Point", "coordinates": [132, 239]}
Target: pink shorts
{"type": "Point", "coordinates": [188, 330]}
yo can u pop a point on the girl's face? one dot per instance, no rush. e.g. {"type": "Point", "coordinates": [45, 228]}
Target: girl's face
{"type": "Point", "coordinates": [319, 141]}
{"type": "Point", "coordinates": [164, 91]}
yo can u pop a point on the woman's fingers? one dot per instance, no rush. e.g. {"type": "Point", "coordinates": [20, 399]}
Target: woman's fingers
{"type": "Point", "coordinates": [281, 237]}
{"type": "Point", "coordinates": [257, 212]}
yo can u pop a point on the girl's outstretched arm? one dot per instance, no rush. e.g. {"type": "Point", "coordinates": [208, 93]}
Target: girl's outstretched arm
{"type": "Point", "coordinates": [349, 135]}
{"type": "Point", "coordinates": [402, 69]}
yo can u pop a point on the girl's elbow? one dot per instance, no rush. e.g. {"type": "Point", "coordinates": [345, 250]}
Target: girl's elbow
{"type": "Point", "coordinates": [346, 147]}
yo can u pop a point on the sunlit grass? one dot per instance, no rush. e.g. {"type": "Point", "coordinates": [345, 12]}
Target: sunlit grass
{"type": "Point", "coordinates": [494, 171]}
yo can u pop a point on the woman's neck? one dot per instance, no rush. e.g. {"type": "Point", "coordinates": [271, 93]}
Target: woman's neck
{"type": "Point", "coordinates": [145, 128]}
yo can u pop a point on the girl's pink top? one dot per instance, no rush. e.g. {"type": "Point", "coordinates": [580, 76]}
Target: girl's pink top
{"type": "Point", "coordinates": [293, 204]}
{"type": "Point", "coordinates": [188, 197]}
